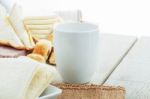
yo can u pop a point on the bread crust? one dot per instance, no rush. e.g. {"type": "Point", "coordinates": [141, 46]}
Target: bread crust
{"type": "Point", "coordinates": [43, 47]}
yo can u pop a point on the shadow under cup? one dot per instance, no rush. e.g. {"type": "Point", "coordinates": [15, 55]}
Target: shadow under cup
{"type": "Point", "coordinates": [76, 47]}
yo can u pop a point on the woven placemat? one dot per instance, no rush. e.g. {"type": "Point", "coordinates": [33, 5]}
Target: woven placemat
{"type": "Point", "coordinates": [75, 91]}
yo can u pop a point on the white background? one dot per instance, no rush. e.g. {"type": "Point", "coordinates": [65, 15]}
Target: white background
{"type": "Point", "coordinates": [127, 17]}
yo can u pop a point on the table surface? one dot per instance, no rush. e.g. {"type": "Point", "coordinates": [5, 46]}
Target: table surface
{"type": "Point", "coordinates": [112, 49]}
{"type": "Point", "coordinates": [133, 72]}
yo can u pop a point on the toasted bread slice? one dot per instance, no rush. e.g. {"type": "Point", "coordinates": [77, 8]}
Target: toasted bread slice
{"type": "Point", "coordinates": [43, 48]}
{"type": "Point", "coordinates": [16, 21]}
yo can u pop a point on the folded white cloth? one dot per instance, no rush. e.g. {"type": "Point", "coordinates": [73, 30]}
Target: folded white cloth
{"type": "Point", "coordinates": [7, 33]}
{"type": "Point", "coordinates": [23, 78]}
{"type": "Point", "coordinates": [16, 21]}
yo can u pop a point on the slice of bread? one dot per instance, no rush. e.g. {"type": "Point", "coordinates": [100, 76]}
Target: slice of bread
{"type": "Point", "coordinates": [43, 48]}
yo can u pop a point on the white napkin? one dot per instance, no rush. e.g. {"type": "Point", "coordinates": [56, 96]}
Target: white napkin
{"type": "Point", "coordinates": [23, 78]}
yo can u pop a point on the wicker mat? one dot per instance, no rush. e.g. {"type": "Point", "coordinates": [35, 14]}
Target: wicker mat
{"type": "Point", "coordinates": [72, 91]}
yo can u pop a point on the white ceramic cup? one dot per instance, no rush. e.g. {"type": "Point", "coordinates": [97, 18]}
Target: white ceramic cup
{"type": "Point", "coordinates": [76, 47]}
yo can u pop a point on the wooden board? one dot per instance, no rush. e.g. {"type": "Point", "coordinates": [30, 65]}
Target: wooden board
{"type": "Point", "coordinates": [112, 49]}
{"type": "Point", "coordinates": [134, 71]}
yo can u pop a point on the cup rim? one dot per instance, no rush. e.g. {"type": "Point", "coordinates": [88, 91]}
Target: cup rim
{"type": "Point", "coordinates": [64, 27]}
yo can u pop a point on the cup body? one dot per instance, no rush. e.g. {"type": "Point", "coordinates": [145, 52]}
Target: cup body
{"type": "Point", "coordinates": [76, 47]}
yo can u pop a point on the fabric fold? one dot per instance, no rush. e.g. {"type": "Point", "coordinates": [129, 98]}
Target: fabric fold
{"type": "Point", "coordinates": [23, 78]}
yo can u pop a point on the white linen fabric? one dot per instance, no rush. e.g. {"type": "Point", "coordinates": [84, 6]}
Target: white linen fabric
{"type": "Point", "coordinates": [23, 78]}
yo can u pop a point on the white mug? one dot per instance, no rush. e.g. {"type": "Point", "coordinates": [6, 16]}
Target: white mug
{"type": "Point", "coordinates": [76, 47]}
